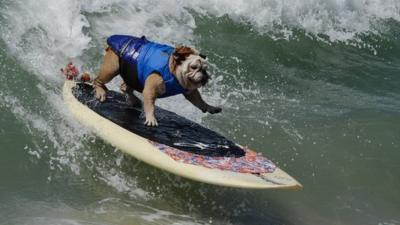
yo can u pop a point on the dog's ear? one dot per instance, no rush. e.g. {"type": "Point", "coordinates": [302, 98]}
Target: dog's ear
{"type": "Point", "coordinates": [181, 52]}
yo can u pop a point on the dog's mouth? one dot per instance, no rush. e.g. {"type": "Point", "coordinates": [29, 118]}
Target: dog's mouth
{"type": "Point", "coordinates": [204, 79]}
{"type": "Point", "coordinates": [195, 81]}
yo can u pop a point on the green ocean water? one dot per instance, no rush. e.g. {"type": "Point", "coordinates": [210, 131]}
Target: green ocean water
{"type": "Point", "coordinates": [313, 85]}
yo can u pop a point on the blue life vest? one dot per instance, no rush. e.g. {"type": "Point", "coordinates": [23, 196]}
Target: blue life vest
{"type": "Point", "coordinates": [146, 57]}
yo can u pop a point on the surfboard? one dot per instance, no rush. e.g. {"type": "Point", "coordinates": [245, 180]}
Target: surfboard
{"type": "Point", "coordinates": [177, 145]}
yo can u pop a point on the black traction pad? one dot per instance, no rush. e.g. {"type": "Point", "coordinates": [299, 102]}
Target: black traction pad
{"type": "Point", "coordinates": [173, 130]}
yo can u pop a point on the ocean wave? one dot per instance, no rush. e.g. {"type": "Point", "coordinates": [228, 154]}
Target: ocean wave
{"type": "Point", "coordinates": [68, 28]}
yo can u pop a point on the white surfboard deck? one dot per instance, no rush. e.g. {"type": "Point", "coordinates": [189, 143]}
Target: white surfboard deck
{"type": "Point", "coordinates": [144, 151]}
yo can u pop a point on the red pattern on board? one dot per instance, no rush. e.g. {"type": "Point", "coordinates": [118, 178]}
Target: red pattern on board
{"type": "Point", "coordinates": [251, 162]}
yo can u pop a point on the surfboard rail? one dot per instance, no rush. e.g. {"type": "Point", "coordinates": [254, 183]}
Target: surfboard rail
{"type": "Point", "coordinates": [144, 151]}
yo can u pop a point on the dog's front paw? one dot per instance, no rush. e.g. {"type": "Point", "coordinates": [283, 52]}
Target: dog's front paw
{"type": "Point", "coordinates": [214, 109]}
{"type": "Point", "coordinates": [151, 121]}
{"type": "Point", "coordinates": [100, 94]}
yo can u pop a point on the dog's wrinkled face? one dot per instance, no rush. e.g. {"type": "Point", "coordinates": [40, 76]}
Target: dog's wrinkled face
{"type": "Point", "coordinates": [190, 68]}
{"type": "Point", "coordinates": [194, 70]}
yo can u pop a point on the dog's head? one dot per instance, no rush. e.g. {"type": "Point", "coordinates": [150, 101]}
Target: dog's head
{"type": "Point", "coordinates": [190, 67]}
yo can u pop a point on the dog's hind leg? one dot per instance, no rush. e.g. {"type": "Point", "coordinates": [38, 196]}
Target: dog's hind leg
{"type": "Point", "coordinates": [108, 70]}
{"type": "Point", "coordinates": [132, 99]}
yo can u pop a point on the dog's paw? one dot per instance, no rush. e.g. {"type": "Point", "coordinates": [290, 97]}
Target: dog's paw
{"type": "Point", "coordinates": [214, 109]}
{"type": "Point", "coordinates": [100, 94]}
{"type": "Point", "coordinates": [124, 88]}
{"type": "Point", "coordinates": [151, 121]}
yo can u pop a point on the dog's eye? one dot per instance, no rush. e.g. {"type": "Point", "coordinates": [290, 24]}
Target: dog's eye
{"type": "Point", "coordinates": [194, 66]}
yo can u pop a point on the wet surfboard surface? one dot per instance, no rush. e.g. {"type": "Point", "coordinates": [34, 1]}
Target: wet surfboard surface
{"type": "Point", "coordinates": [177, 145]}
{"type": "Point", "coordinates": [173, 130]}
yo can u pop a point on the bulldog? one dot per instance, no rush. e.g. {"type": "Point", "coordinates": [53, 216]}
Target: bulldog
{"type": "Point", "coordinates": [155, 70]}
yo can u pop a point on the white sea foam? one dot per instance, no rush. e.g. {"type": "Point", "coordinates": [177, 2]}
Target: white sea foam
{"type": "Point", "coordinates": [338, 19]}
{"type": "Point", "coordinates": [104, 212]}
{"type": "Point", "coordinates": [44, 33]}
{"type": "Point", "coordinates": [122, 183]}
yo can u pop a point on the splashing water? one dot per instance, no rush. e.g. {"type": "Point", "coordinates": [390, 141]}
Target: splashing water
{"type": "Point", "coordinates": [296, 80]}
